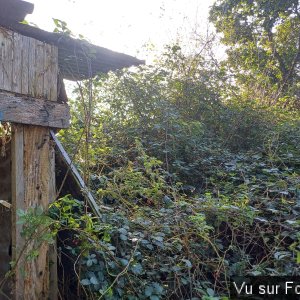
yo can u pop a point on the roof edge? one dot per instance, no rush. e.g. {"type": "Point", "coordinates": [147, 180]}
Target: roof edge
{"type": "Point", "coordinates": [78, 59]}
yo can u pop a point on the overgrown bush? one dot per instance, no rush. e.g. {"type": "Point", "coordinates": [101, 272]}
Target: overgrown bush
{"type": "Point", "coordinates": [165, 241]}
{"type": "Point", "coordinates": [198, 187]}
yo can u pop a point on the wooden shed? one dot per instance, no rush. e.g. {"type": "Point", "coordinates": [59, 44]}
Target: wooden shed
{"type": "Point", "coordinates": [32, 63]}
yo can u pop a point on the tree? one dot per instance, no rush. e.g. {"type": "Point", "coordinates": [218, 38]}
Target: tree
{"type": "Point", "coordinates": [263, 40]}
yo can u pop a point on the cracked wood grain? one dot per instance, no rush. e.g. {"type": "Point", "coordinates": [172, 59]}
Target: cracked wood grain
{"type": "Point", "coordinates": [31, 111]}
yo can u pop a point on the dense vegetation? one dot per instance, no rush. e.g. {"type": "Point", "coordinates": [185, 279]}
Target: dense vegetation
{"type": "Point", "coordinates": [195, 162]}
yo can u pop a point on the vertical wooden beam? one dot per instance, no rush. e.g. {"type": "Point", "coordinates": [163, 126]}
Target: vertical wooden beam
{"type": "Point", "coordinates": [53, 288]}
{"type": "Point", "coordinates": [36, 181]}
{"type": "Point", "coordinates": [25, 66]}
{"type": "Point", "coordinates": [54, 73]}
{"type": "Point", "coordinates": [32, 186]}
{"type": "Point", "coordinates": [31, 67]}
{"type": "Point", "coordinates": [52, 182]}
{"type": "Point", "coordinates": [7, 62]}
{"type": "Point", "coordinates": [2, 44]}
{"type": "Point", "coordinates": [17, 63]}
{"type": "Point", "coordinates": [18, 202]}
{"type": "Point", "coordinates": [39, 69]}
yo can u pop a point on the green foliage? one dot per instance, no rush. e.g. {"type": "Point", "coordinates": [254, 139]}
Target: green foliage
{"type": "Point", "coordinates": [61, 27]}
{"type": "Point", "coordinates": [197, 184]}
{"type": "Point", "coordinates": [35, 230]}
{"type": "Point", "coordinates": [174, 109]}
{"type": "Point", "coordinates": [262, 39]}
{"type": "Point", "coordinates": [239, 224]}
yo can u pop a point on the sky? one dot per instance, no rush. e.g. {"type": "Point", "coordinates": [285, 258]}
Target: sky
{"type": "Point", "coordinates": [128, 26]}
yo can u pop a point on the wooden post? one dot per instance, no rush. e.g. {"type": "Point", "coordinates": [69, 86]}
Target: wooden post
{"type": "Point", "coordinates": [28, 96]}
{"type": "Point", "coordinates": [53, 289]}
{"type": "Point", "coordinates": [32, 186]}
{"type": "Point", "coordinates": [18, 202]}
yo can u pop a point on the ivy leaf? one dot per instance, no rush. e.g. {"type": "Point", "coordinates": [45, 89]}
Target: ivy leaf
{"type": "Point", "coordinates": [148, 291]}
{"type": "Point", "coordinates": [124, 261]}
{"type": "Point", "coordinates": [89, 262]}
{"type": "Point", "coordinates": [85, 281]}
{"type": "Point", "coordinates": [150, 246]}
{"type": "Point", "coordinates": [255, 273]}
{"type": "Point", "coordinates": [123, 231]}
{"type": "Point", "coordinates": [210, 292]}
{"type": "Point", "coordinates": [187, 263]}
{"type": "Point", "coordinates": [94, 280]}
{"type": "Point", "coordinates": [158, 238]}
{"type": "Point", "coordinates": [158, 288]}
{"type": "Point", "coordinates": [137, 269]}
{"type": "Point", "coordinates": [111, 248]}
{"type": "Point", "coordinates": [123, 237]}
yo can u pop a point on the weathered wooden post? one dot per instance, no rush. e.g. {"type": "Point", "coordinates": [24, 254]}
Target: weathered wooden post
{"type": "Point", "coordinates": [28, 99]}
{"type": "Point", "coordinates": [32, 98]}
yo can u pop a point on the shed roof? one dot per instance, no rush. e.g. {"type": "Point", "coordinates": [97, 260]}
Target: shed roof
{"type": "Point", "coordinates": [77, 59]}
{"type": "Point", "coordinates": [15, 10]}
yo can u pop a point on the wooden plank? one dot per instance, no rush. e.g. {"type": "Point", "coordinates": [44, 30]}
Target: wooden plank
{"type": "Point", "coordinates": [47, 73]}
{"type": "Point", "coordinates": [53, 83]}
{"type": "Point", "coordinates": [50, 72]}
{"type": "Point", "coordinates": [26, 110]}
{"type": "Point", "coordinates": [39, 69]}
{"type": "Point", "coordinates": [2, 37]}
{"type": "Point", "coordinates": [90, 199]}
{"type": "Point", "coordinates": [32, 166]}
{"type": "Point", "coordinates": [53, 281]}
{"type": "Point", "coordinates": [7, 61]}
{"type": "Point", "coordinates": [28, 66]}
{"type": "Point", "coordinates": [52, 181]}
{"type": "Point", "coordinates": [25, 65]}
{"type": "Point", "coordinates": [17, 64]}
{"type": "Point", "coordinates": [36, 182]}
{"type": "Point", "coordinates": [31, 68]}
{"type": "Point", "coordinates": [18, 202]}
